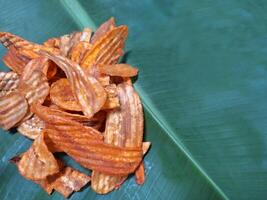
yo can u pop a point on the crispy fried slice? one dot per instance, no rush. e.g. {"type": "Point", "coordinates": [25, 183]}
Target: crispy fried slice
{"type": "Point", "coordinates": [88, 148]}
{"type": "Point", "coordinates": [14, 60]}
{"type": "Point", "coordinates": [78, 50]}
{"type": "Point", "coordinates": [26, 48]}
{"type": "Point", "coordinates": [8, 40]}
{"type": "Point", "coordinates": [112, 99]}
{"type": "Point", "coordinates": [123, 70]}
{"type": "Point", "coordinates": [106, 48]}
{"type": "Point", "coordinates": [104, 80]}
{"type": "Point", "coordinates": [103, 29]}
{"type": "Point", "coordinates": [38, 162]}
{"type": "Point", "coordinates": [32, 127]}
{"type": "Point", "coordinates": [140, 174]}
{"type": "Point", "coordinates": [36, 88]}
{"type": "Point", "coordinates": [70, 180]}
{"type": "Point", "coordinates": [94, 122]}
{"type": "Point", "coordinates": [9, 82]}
{"type": "Point", "coordinates": [61, 95]}
{"type": "Point", "coordinates": [13, 107]}
{"type": "Point", "coordinates": [87, 90]}
{"type": "Point", "coordinates": [72, 121]}
{"type": "Point", "coordinates": [66, 182]}
{"type": "Point", "coordinates": [67, 42]}
{"type": "Point", "coordinates": [124, 128]}
{"type": "Point", "coordinates": [22, 51]}
{"type": "Point", "coordinates": [52, 42]}
{"type": "Point", "coordinates": [33, 83]}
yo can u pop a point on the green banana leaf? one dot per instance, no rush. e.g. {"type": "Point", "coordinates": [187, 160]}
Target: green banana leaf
{"type": "Point", "coordinates": [203, 82]}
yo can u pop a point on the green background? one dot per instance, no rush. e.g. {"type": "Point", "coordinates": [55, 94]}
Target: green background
{"type": "Point", "coordinates": [203, 82]}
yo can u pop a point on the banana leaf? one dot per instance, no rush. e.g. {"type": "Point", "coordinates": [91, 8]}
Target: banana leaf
{"type": "Point", "coordinates": [203, 83]}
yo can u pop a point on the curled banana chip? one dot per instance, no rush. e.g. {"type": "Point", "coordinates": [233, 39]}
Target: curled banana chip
{"type": "Point", "coordinates": [122, 70]}
{"type": "Point", "coordinates": [106, 48]}
{"type": "Point", "coordinates": [87, 90]}
{"type": "Point", "coordinates": [13, 108]}
{"type": "Point", "coordinates": [103, 29]}
{"type": "Point", "coordinates": [14, 60]}
{"type": "Point", "coordinates": [33, 82]}
{"type": "Point", "coordinates": [69, 181]}
{"type": "Point", "coordinates": [67, 42]}
{"type": "Point", "coordinates": [32, 127]}
{"type": "Point", "coordinates": [38, 162]}
{"type": "Point", "coordinates": [124, 128]}
{"type": "Point", "coordinates": [62, 95]}
{"type": "Point", "coordinates": [9, 82]}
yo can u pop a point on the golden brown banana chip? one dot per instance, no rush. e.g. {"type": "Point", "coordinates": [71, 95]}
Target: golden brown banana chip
{"type": "Point", "coordinates": [61, 95]}
{"type": "Point", "coordinates": [70, 180]}
{"type": "Point", "coordinates": [32, 127]}
{"type": "Point", "coordinates": [14, 60]}
{"type": "Point", "coordinates": [103, 29]}
{"type": "Point", "coordinates": [88, 149]}
{"type": "Point", "coordinates": [87, 90]}
{"type": "Point", "coordinates": [9, 81]}
{"type": "Point", "coordinates": [22, 51]}
{"type": "Point", "coordinates": [122, 70]}
{"type": "Point", "coordinates": [106, 48]}
{"type": "Point", "coordinates": [67, 181]}
{"type": "Point", "coordinates": [33, 83]}
{"type": "Point", "coordinates": [38, 162]}
{"type": "Point", "coordinates": [78, 50]}
{"type": "Point", "coordinates": [112, 97]}
{"type": "Point", "coordinates": [52, 42]}
{"type": "Point", "coordinates": [140, 174]}
{"type": "Point", "coordinates": [26, 48]}
{"type": "Point", "coordinates": [67, 42]}
{"type": "Point", "coordinates": [13, 108]}
{"type": "Point", "coordinates": [124, 128]}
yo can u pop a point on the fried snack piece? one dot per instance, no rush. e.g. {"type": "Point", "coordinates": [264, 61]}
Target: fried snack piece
{"type": "Point", "coordinates": [32, 127]}
{"type": "Point", "coordinates": [88, 148]}
{"type": "Point", "coordinates": [9, 81]}
{"type": "Point", "coordinates": [33, 83]}
{"type": "Point", "coordinates": [22, 51]}
{"type": "Point", "coordinates": [61, 95]}
{"type": "Point", "coordinates": [52, 42]}
{"type": "Point", "coordinates": [66, 181]}
{"type": "Point", "coordinates": [94, 122]}
{"type": "Point", "coordinates": [87, 90]}
{"type": "Point", "coordinates": [38, 162]}
{"type": "Point", "coordinates": [107, 48]}
{"type": "Point", "coordinates": [67, 42]}
{"type": "Point", "coordinates": [78, 50]}
{"type": "Point", "coordinates": [122, 70]}
{"type": "Point", "coordinates": [112, 98]}
{"type": "Point", "coordinates": [140, 171]}
{"type": "Point", "coordinates": [23, 46]}
{"type": "Point", "coordinates": [103, 29]}
{"type": "Point", "coordinates": [140, 174]}
{"type": "Point", "coordinates": [14, 60]}
{"type": "Point", "coordinates": [70, 180]}
{"type": "Point", "coordinates": [124, 128]}
{"type": "Point", "coordinates": [13, 108]}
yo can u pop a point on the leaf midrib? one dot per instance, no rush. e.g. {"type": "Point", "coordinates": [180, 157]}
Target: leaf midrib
{"type": "Point", "coordinates": [82, 19]}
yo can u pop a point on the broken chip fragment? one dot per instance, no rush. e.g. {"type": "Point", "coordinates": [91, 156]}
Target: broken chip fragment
{"type": "Point", "coordinates": [71, 95]}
